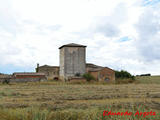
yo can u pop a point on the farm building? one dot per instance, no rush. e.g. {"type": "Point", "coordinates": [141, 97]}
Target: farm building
{"type": "Point", "coordinates": [100, 73]}
{"type": "Point", "coordinates": [51, 72]}
{"type": "Point", "coordinates": [21, 75]}
{"type": "Point", "coordinates": [72, 67]}
{"type": "Point", "coordinates": [72, 63]}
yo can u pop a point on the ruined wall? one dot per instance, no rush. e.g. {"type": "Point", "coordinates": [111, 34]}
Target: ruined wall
{"type": "Point", "coordinates": [107, 73]}
{"type": "Point", "coordinates": [104, 74]}
{"type": "Point", "coordinates": [50, 72]}
{"type": "Point", "coordinates": [95, 74]}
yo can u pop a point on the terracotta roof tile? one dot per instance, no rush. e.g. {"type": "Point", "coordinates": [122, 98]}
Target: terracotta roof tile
{"type": "Point", "coordinates": [27, 73]}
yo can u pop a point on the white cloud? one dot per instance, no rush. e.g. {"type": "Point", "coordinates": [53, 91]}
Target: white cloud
{"type": "Point", "coordinates": [148, 28]}
{"type": "Point", "coordinates": [32, 30]}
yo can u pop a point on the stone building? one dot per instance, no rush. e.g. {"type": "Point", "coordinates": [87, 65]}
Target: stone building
{"type": "Point", "coordinates": [72, 63]}
{"type": "Point", "coordinates": [72, 60]}
{"type": "Point", "coordinates": [101, 73]}
{"type": "Point", "coordinates": [51, 72]}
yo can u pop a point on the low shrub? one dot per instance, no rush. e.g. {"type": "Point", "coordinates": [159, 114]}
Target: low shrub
{"type": "Point", "coordinates": [88, 77]}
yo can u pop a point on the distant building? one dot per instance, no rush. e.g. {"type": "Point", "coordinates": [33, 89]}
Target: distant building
{"type": "Point", "coordinates": [4, 77]}
{"type": "Point", "coordinates": [73, 63]}
{"type": "Point", "coordinates": [51, 72]}
{"type": "Point", "coordinates": [72, 60]}
{"type": "Point", "coordinates": [21, 75]}
{"type": "Point", "coordinates": [100, 73]}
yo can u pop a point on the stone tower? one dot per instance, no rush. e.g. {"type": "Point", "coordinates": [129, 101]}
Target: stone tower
{"type": "Point", "coordinates": [72, 60]}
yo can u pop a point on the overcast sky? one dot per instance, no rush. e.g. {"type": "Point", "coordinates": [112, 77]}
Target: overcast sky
{"type": "Point", "coordinates": [120, 34]}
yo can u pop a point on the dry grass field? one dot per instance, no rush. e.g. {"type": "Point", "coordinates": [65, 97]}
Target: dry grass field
{"type": "Point", "coordinates": [65, 101]}
{"type": "Point", "coordinates": [148, 79]}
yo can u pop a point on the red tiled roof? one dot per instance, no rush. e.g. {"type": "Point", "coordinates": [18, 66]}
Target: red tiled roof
{"type": "Point", "coordinates": [27, 73]}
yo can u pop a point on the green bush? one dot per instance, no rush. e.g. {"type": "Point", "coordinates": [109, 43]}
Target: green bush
{"type": "Point", "coordinates": [123, 74]}
{"type": "Point", "coordinates": [88, 77]}
{"type": "Point", "coordinates": [124, 77]}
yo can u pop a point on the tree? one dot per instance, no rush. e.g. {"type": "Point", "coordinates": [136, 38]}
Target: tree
{"type": "Point", "coordinates": [124, 77]}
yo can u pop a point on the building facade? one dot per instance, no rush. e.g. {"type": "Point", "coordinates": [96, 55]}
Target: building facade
{"type": "Point", "coordinates": [73, 63]}
{"type": "Point", "coordinates": [101, 73]}
{"type": "Point", "coordinates": [51, 72]}
{"type": "Point", "coordinates": [72, 60]}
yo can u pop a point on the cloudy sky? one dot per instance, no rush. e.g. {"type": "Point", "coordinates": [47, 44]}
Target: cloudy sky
{"type": "Point", "coordinates": [121, 34]}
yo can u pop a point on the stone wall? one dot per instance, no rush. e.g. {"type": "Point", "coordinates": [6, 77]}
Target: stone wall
{"type": "Point", "coordinates": [62, 62]}
{"type": "Point", "coordinates": [104, 74]}
{"type": "Point", "coordinates": [107, 73]}
{"type": "Point", "coordinates": [23, 79]}
{"type": "Point", "coordinates": [72, 61]}
{"type": "Point", "coordinates": [50, 72]}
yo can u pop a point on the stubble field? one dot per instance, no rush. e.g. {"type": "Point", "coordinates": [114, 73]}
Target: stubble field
{"type": "Point", "coordinates": [65, 101]}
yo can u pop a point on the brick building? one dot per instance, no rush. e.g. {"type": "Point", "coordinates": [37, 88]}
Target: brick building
{"type": "Point", "coordinates": [101, 73]}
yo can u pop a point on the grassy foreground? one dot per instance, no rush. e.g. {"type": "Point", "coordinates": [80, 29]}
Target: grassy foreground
{"type": "Point", "coordinates": [63, 101]}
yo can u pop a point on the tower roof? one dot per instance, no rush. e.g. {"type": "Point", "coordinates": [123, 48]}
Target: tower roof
{"type": "Point", "coordinates": [72, 45]}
